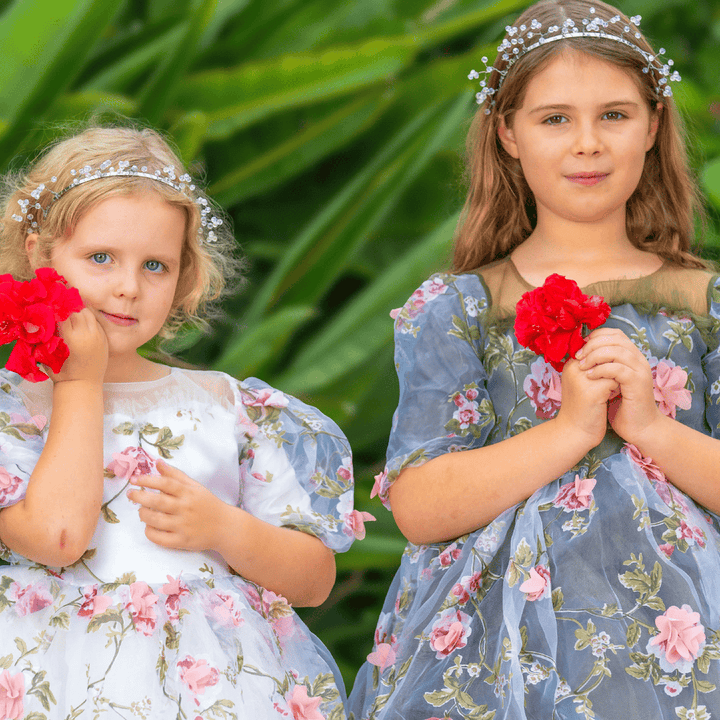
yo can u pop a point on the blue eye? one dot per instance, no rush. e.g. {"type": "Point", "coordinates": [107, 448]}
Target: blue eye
{"type": "Point", "coordinates": [100, 258]}
{"type": "Point", "coordinates": [154, 266]}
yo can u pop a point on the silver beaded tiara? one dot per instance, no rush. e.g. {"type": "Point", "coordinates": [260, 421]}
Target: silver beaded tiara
{"type": "Point", "coordinates": [518, 43]}
{"type": "Point", "coordinates": [30, 212]}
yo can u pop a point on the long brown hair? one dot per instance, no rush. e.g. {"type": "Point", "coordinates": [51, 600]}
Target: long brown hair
{"type": "Point", "coordinates": [500, 213]}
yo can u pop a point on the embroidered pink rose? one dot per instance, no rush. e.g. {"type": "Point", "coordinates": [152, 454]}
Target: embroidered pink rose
{"type": "Point", "coordinates": [680, 638]}
{"type": "Point", "coordinates": [267, 397]}
{"type": "Point", "coordinates": [667, 549]}
{"type": "Point", "coordinates": [669, 388]}
{"type": "Point", "coordinates": [142, 607]}
{"type": "Point", "coordinates": [302, 706]}
{"type": "Point", "coordinates": [221, 608]}
{"type": "Point", "coordinates": [93, 604]}
{"type": "Point", "coordinates": [131, 462]}
{"type": "Point", "coordinates": [12, 693]}
{"type": "Point", "coordinates": [544, 388]}
{"type": "Point", "coordinates": [449, 555]}
{"type": "Point", "coordinates": [382, 656]}
{"type": "Point", "coordinates": [30, 598]}
{"type": "Point", "coordinates": [538, 584]}
{"type": "Point", "coordinates": [690, 533]}
{"type": "Point", "coordinates": [9, 485]}
{"type": "Point", "coordinates": [466, 413]}
{"type": "Point", "coordinates": [576, 495]}
{"type": "Point", "coordinates": [354, 523]}
{"type": "Point", "coordinates": [469, 584]}
{"type": "Point", "coordinates": [450, 632]}
{"type": "Point", "coordinates": [197, 675]}
{"type": "Point", "coordinates": [175, 589]}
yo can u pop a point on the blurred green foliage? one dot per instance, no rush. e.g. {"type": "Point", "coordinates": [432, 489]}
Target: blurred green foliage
{"type": "Point", "coordinates": [333, 134]}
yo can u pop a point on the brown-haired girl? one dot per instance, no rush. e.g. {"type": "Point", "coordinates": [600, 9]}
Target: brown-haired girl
{"type": "Point", "coordinates": [564, 548]}
{"type": "Point", "coordinates": [159, 521]}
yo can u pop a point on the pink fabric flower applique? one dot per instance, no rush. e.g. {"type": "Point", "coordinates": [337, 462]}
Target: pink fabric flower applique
{"type": "Point", "coordinates": [141, 605]}
{"type": "Point", "coordinates": [12, 693]}
{"type": "Point", "coordinates": [575, 495]}
{"type": "Point", "coordinates": [680, 639]}
{"type": "Point", "coordinates": [302, 706]}
{"type": "Point", "coordinates": [383, 656]}
{"type": "Point", "coordinates": [669, 388]}
{"type": "Point", "coordinates": [538, 584]}
{"type": "Point", "coordinates": [197, 675]}
{"type": "Point", "coordinates": [30, 598]}
{"type": "Point", "coordinates": [450, 632]}
{"type": "Point", "coordinates": [354, 523]}
{"type": "Point", "coordinates": [175, 589]}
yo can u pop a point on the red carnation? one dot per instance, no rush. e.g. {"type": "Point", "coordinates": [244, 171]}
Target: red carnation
{"type": "Point", "coordinates": [552, 319]}
{"type": "Point", "coordinates": [29, 314]}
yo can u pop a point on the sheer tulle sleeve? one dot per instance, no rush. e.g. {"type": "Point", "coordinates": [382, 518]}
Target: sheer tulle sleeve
{"type": "Point", "coordinates": [295, 466]}
{"type": "Point", "coordinates": [444, 404]}
{"type": "Point", "coordinates": [711, 363]}
{"type": "Point", "coordinates": [21, 441]}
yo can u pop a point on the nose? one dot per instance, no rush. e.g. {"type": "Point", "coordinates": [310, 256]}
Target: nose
{"type": "Point", "coordinates": [587, 140]}
{"type": "Point", "coordinates": [127, 283]}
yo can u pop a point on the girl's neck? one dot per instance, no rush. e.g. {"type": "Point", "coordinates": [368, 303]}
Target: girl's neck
{"type": "Point", "coordinates": [584, 252]}
{"type": "Point", "coordinates": [134, 369]}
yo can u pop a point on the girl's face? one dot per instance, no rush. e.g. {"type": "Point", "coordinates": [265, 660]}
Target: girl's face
{"type": "Point", "coordinates": [581, 136]}
{"type": "Point", "coordinates": [124, 257]}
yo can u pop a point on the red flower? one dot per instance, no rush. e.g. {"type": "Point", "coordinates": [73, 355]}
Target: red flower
{"type": "Point", "coordinates": [29, 314]}
{"type": "Point", "coordinates": [551, 319]}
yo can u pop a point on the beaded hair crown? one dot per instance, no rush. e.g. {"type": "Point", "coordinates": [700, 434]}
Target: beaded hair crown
{"type": "Point", "coordinates": [183, 184]}
{"type": "Point", "coordinates": [525, 38]}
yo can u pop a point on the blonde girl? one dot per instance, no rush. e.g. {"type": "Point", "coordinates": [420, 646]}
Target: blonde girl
{"type": "Point", "coordinates": [159, 522]}
{"type": "Point", "coordinates": [563, 556]}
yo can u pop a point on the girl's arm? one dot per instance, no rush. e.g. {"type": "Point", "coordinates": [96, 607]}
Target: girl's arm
{"type": "Point", "coordinates": [688, 458]}
{"type": "Point", "coordinates": [55, 521]}
{"type": "Point", "coordinates": [187, 515]}
{"type": "Point", "coordinates": [458, 492]}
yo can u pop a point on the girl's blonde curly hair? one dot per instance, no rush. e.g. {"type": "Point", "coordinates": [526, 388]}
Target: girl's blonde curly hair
{"type": "Point", "coordinates": [205, 268]}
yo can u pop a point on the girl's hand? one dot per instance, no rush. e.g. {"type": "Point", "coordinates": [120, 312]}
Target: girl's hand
{"type": "Point", "coordinates": [583, 407]}
{"type": "Point", "coordinates": [88, 347]}
{"type": "Point", "coordinates": [610, 354]}
{"type": "Point", "coordinates": [183, 515]}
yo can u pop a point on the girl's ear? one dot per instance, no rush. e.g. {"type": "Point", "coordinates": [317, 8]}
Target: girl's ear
{"type": "Point", "coordinates": [507, 138]}
{"type": "Point", "coordinates": [30, 247]}
{"type": "Point", "coordinates": [653, 129]}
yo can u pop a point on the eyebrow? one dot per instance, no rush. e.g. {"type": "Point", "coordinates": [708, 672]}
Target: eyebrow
{"type": "Point", "coordinates": [559, 106]}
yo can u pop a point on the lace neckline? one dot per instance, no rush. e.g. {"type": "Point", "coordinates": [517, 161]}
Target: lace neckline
{"type": "Point", "coordinates": [598, 283]}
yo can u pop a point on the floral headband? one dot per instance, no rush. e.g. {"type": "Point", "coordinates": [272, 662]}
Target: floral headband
{"type": "Point", "coordinates": [522, 40]}
{"type": "Point", "coordinates": [167, 176]}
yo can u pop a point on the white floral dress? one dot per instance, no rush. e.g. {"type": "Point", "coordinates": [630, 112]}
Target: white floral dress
{"type": "Point", "coordinates": [134, 630]}
{"type": "Point", "coordinates": [598, 596]}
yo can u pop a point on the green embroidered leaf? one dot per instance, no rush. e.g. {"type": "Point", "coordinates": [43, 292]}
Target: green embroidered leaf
{"type": "Point", "coordinates": [126, 428]}
{"type": "Point", "coordinates": [61, 620]}
{"type": "Point", "coordinates": [704, 686]}
{"type": "Point", "coordinates": [558, 599]}
{"type": "Point", "coordinates": [521, 425]}
{"type": "Point", "coordinates": [111, 615]}
{"type": "Point", "coordinates": [609, 610]}
{"type": "Point", "coordinates": [633, 634]}
{"type": "Point", "coordinates": [108, 514]}
{"type": "Point", "coordinates": [28, 428]}
{"type": "Point", "coordinates": [172, 641]}
{"type": "Point", "coordinates": [523, 554]}
{"type": "Point", "coordinates": [439, 697]}
{"type": "Point", "coordinates": [5, 662]}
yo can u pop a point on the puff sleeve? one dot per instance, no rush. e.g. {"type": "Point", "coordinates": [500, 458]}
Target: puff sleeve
{"type": "Point", "coordinates": [21, 441]}
{"type": "Point", "coordinates": [295, 466]}
{"type": "Point", "coordinates": [444, 404]}
{"type": "Point", "coordinates": [711, 363]}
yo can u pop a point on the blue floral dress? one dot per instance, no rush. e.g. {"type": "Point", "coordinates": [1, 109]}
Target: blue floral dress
{"type": "Point", "coordinates": [135, 630]}
{"type": "Point", "coordinates": [598, 596]}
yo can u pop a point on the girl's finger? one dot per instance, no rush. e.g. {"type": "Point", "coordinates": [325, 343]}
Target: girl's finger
{"type": "Point", "coordinates": [157, 520]}
{"type": "Point", "coordinates": [155, 482]}
{"type": "Point", "coordinates": [152, 500]}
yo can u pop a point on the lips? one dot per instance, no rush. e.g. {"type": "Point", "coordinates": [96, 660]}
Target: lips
{"type": "Point", "coordinates": [119, 319]}
{"type": "Point", "coordinates": [587, 178]}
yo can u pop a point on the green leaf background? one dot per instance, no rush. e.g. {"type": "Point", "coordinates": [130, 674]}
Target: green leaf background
{"type": "Point", "coordinates": [333, 134]}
